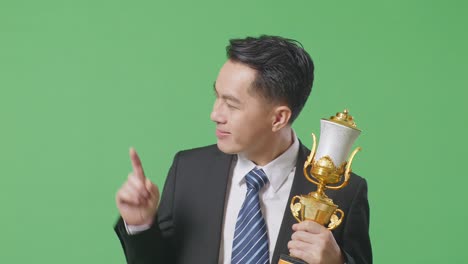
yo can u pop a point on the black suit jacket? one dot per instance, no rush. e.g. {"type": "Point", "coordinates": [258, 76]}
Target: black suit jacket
{"type": "Point", "coordinates": [188, 225]}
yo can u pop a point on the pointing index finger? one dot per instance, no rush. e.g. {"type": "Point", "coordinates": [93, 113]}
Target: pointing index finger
{"type": "Point", "coordinates": [136, 164]}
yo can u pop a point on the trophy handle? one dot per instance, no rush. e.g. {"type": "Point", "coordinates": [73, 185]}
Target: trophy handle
{"type": "Point", "coordinates": [347, 173]}
{"type": "Point", "coordinates": [309, 160]}
{"type": "Point", "coordinates": [334, 220]}
{"type": "Point", "coordinates": [297, 208]}
{"type": "Point", "coordinates": [312, 151]}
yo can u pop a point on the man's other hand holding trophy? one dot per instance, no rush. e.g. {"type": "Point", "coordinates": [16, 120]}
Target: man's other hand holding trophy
{"type": "Point", "coordinates": [312, 241]}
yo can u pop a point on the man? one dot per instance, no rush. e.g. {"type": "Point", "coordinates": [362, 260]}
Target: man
{"type": "Point", "coordinates": [229, 203]}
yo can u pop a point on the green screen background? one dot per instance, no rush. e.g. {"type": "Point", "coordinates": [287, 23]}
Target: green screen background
{"type": "Point", "coordinates": [82, 81]}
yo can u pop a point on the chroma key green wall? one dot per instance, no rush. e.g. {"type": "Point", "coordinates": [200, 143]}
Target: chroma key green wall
{"type": "Point", "coordinates": [82, 81]}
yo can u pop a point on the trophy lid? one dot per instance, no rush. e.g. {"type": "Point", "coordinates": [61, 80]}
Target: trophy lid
{"type": "Point", "coordinates": [345, 119]}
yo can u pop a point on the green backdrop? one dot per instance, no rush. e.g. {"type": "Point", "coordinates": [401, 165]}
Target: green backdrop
{"type": "Point", "coordinates": [82, 81]}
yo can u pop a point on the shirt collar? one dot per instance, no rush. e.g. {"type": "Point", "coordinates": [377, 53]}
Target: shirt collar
{"type": "Point", "coordinates": [277, 170]}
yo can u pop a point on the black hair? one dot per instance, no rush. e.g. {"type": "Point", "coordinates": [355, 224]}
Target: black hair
{"type": "Point", "coordinates": [285, 71]}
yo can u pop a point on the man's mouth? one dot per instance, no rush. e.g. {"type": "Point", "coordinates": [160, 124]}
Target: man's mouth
{"type": "Point", "coordinates": [221, 133]}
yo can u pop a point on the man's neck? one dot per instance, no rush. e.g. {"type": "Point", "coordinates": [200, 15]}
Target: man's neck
{"type": "Point", "coordinates": [272, 148]}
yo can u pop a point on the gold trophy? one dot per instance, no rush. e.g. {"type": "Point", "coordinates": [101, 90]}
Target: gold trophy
{"type": "Point", "coordinates": [326, 166]}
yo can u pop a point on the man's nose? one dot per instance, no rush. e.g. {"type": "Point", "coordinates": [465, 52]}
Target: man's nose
{"type": "Point", "coordinates": [216, 114]}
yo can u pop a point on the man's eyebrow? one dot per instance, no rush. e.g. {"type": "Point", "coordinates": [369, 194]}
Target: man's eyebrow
{"type": "Point", "coordinates": [227, 96]}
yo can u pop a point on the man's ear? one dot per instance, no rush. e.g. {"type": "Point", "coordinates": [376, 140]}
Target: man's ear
{"type": "Point", "coordinates": [280, 119]}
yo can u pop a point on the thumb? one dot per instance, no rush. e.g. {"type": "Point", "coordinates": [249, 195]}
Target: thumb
{"type": "Point", "coordinates": [154, 192]}
{"type": "Point", "coordinates": [150, 186]}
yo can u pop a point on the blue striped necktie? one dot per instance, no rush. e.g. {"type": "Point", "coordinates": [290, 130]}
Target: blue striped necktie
{"type": "Point", "coordinates": [250, 244]}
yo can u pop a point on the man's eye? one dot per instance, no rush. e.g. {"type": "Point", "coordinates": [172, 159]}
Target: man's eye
{"type": "Point", "coordinates": [231, 106]}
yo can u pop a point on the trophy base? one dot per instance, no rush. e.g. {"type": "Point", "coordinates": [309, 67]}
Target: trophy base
{"type": "Point", "coordinates": [286, 259]}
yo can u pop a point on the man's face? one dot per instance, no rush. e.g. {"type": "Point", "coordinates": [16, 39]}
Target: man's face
{"type": "Point", "coordinates": [243, 119]}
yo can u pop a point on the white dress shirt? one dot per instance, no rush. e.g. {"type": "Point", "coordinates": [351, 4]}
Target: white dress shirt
{"type": "Point", "coordinates": [273, 197]}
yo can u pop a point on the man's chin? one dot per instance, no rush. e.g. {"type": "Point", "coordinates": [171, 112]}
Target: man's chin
{"type": "Point", "coordinates": [226, 148]}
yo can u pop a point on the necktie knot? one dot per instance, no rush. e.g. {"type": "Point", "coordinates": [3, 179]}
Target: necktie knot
{"type": "Point", "coordinates": [256, 179]}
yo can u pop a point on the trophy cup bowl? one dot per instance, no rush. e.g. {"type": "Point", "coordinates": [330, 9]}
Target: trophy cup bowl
{"type": "Point", "coordinates": [324, 167]}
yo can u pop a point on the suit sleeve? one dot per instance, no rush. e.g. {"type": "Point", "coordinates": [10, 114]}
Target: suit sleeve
{"type": "Point", "coordinates": [155, 245]}
{"type": "Point", "coordinates": [356, 242]}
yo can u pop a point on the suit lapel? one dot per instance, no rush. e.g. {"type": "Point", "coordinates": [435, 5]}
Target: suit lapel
{"type": "Point", "coordinates": [219, 174]}
{"type": "Point", "coordinates": [300, 186]}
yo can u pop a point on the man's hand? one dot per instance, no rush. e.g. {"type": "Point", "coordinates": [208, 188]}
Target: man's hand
{"type": "Point", "coordinates": [138, 198]}
{"type": "Point", "coordinates": [314, 244]}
